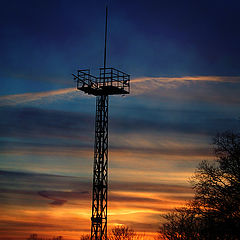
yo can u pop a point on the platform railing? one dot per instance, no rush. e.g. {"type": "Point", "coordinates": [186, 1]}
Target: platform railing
{"type": "Point", "coordinates": [109, 77]}
{"type": "Point", "coordinates": [114, 77]}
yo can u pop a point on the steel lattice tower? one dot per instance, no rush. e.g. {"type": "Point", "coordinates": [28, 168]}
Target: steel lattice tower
{"type": "Point", "coordinates": [110, 82]}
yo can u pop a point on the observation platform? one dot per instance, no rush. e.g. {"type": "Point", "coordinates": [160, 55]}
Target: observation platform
{"type": "Point", "coordinates": [110, 82]}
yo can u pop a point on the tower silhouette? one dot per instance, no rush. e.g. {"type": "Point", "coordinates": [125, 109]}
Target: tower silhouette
{"type": "Point", "coordinates": [110, 82]}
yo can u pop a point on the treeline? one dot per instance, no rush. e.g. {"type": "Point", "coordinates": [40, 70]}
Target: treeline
{"type": "Point", "coordinates": [214, 212]}
{"type": "Point", "coordinates": [121, 232]}
{"type": "Point", "coordinates": [117, 233]}
{"type": "Point", "coordinates": [35, 237]}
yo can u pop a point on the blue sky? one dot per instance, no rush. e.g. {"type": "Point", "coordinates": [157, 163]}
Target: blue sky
{"type": "Point", "coordinates": [185, 83]}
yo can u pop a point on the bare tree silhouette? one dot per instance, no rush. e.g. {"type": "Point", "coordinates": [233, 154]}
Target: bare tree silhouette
{"type": "Point", "coordinates": [214, 213]}
{"type": "Point", "coordinates": [122, 233]}
{"type": "Point", "coordinates": [33, 237]}
{"type": "Point", "coordinates": [85, 237]}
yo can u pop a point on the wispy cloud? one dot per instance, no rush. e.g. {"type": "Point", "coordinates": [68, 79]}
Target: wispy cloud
{"type": "Point", "coordinates": [139, 86]}
{"type": "Point", "coordinates": [56, 201]}
{"type": "Point", "coordinates": [232, 79]}
{"type": "Point", "coordinates": [36, 122]}
{"type": "Point", "coordinates": [31, 97]}
{"type": "Point", "coordinates": [145, 84]}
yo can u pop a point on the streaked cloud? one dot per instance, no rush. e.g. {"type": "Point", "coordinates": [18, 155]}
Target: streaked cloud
{"type": "Point", "coordinates": [66, 203]}
{"type": "Point", "coordinates": [15, 99]}
{"type": "Point", "coordinates": [212, 89]}
{"type": "Point", "coordinates": [32, 122]}
{"type": "Point", "coordinates": [145, 84]}
{"type": "Point", "coordinates": [184, 79]}
{"type": "Point", "coordinates": [56, 201]}
{"type": "Point", "coordinates": [140, 86]}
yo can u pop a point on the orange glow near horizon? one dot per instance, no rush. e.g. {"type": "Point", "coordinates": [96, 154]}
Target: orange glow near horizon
{"type": "Point", "coordinates": [51, 204]}
{"type": "Point", "coordinates": [139, 210]}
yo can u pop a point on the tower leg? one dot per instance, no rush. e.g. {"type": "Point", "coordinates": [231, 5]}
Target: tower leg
{"type": "Point", "coordinates": [100, 171]}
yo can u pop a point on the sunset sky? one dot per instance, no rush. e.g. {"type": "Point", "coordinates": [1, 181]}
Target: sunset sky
{"type": "Point", "coordinates": [183, 58]}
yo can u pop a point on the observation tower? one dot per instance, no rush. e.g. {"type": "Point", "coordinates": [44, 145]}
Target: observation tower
{"type": "Point", "coordinates": [109, 82]}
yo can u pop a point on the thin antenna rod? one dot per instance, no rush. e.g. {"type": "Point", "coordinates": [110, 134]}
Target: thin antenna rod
{"type": "Point", "coordinates": [105, 47]}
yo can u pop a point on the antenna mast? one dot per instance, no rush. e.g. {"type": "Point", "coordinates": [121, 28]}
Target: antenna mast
{"type": "Point", "coordinates": [105, 45]}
